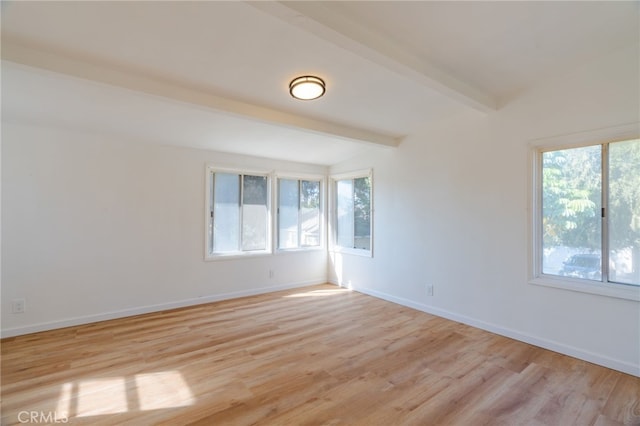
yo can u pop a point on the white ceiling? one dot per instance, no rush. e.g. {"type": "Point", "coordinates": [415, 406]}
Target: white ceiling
{"type": "Point", "coordinates": [214, 75]}
{"type": "Point", "coordinates": [499, 48]}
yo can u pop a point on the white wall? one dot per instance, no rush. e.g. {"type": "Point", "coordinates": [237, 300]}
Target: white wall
{"type": "Point", "coordinates": [95, 227]}
{"type": "Point", "coordinates": [451, 207]}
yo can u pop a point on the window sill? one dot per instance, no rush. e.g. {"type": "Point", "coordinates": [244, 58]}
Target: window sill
{"type": "Point", "coordinates": [299, 250]}
{"type": "Point", "coordinates": [238, 255]}
{"type": "Point", "coordinates": [356, 252]}
{"type": "Point", "coordinates": [619, 291]}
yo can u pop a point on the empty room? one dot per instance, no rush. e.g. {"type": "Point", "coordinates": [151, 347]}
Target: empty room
{"type": "Point", "coordinates": [320, 213]}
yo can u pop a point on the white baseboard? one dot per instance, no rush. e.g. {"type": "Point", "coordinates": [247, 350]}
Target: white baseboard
{"type": "Point", "coordinates": [605, 361]}
{"type": "Point", "coordinates": [68, 322]}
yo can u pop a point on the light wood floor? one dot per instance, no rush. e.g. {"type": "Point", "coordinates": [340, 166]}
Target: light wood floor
{"type": "Point", "coordinates": [318, 355]}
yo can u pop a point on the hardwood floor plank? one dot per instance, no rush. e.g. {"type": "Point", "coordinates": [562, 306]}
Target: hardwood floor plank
{"type": "Point", "coordinates": [623, 405]}
{"type": "Point", "coordinates": [319, 355]}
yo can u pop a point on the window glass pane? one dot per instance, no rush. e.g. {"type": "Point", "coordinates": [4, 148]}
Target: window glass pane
{"type": "Point", "coordinates": [287, 213]}
{"type": "Point", "coordinates": [226, 212]}
{"type": "Point", "coordinates": [254, 213]}
{"type": "Point", "coordinates": [362, 213]}
{"type": "Point", "coordinates": [344, 211]}
{"type": "Point", "coordinates": [571, 218]}
{"type": "Point", "coordinates": [624, 212]}
{"type": "Point", "coordinates": [309, 213]}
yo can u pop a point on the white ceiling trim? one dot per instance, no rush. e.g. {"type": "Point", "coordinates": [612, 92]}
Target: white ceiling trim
{"type": "Point", "coordinates": [38, 57]}
{"type": "Point", "coordinates": [315, 18]}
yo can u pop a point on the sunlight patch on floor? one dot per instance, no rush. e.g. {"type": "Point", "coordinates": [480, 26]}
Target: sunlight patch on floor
{"type": "Point", "coordinates": [320, 293]}
{"type": "Point", "coordinates": [163, 390]}
{"type": "Point", "coordinates": [102, 396]}
{"type": "Point", "coordinates": [113, 395]}
{"type": "Point", "coordinates": [64, 400]}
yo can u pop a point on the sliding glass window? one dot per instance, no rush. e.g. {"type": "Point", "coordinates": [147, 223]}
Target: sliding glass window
{"type": "Point", "coordinates": [299, 213]}
{"type": "Point", "coordinates": [588, 214]}
{"type": "Point", "coordinates": [352, 213]}
{"type": "Point", "coordinates": [238, 213]}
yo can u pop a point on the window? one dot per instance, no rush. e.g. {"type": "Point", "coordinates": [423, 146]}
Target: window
{"type": "Point", "coordinates": [299, 213]}
{"type": "Point", "coordinates": [587, 218]}
{"type": "Point", "coordinates": [352, 211]}
{"type": "Point", "coordinates": [237, 213]}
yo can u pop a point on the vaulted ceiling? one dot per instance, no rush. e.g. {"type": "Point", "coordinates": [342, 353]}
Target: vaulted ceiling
{"type": "Point", "coordinates": [215, 75]}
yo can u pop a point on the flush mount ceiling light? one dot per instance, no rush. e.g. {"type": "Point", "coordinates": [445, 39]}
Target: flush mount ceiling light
{"type": "Point", "coordinates": [307, 87]}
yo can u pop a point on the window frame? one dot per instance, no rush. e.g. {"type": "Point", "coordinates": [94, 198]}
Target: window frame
{"type": "Point", "coordinates": [333, 217]}
{"type": "Point", "coordinates": [276, 216]}
{"type": "Point", "coordinates": [601, 137]}
{"type": "Point", "coordinates": [208, 253]}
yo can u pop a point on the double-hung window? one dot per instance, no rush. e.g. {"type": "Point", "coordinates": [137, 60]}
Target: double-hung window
{"type": "Point", "coordinates": [299, 213]}
{"type": "Point", "coordinates": [237, 213]}
{"type": "Point", "coordinates": [352, 213]}
{"type": "Point", "coordinates": [587, 217]}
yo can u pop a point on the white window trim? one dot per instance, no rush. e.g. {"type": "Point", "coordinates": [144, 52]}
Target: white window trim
{"type": "Point", "coordinates": [275, 202]}
{"type": "Point", "coordinates": [536, 147]}
{"type": "Point", "coordinates": [333, 247]}
{"type": "Point", "coordinates": [210, 168]}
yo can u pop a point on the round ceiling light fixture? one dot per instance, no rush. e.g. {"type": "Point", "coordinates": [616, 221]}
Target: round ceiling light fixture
{"type": "Point", "coordinates": [307, 87]}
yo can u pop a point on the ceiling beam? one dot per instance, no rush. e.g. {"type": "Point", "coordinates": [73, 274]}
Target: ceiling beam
{"type": "Point", "coordinates": [91, 69]}
{"type": "Point", "coordinates": [317, 18]}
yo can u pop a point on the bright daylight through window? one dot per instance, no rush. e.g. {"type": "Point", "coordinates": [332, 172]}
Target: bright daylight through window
{"type": "Point", "coordinates": [299, 218]}
{"type": "Point", "coordinates": [589, 213]}
{"type": "Point", "coordinates": [352, 216]}
{"type": "Point", "coordinates": [238, 213]}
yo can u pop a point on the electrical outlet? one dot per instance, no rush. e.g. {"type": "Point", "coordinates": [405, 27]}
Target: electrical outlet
{"type": "Point", "coordinates": [430, 290]}
{"type": "Point", "coordinates": [18, 306]}
{"type": "Point", "coordinates": [271, 273]}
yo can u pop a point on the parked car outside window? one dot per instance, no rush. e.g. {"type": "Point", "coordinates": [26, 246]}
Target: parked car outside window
{"type": "Point", "coordinates": [582, 266]}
